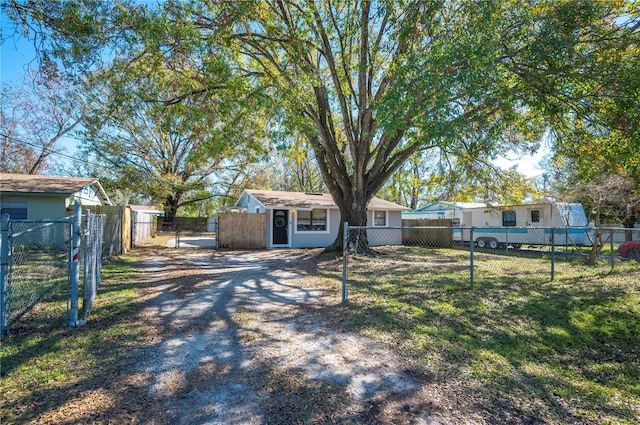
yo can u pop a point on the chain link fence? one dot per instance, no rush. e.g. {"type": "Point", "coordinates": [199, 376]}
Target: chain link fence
{"type": "Point", "coordinates": [43, 260]}
{"type": "Point", "coordinates": [91, 260]}
{"type": "Point", "coordinates": [36, 265]}
{"type": "Point", "coordinates": [375, 257]}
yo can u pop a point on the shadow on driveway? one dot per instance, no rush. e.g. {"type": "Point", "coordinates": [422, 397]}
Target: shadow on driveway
{"type": "Point", "coordinates": [236, 346]}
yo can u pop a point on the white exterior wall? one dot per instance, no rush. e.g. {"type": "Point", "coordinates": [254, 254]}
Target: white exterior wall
{"type": "Point", "coordinates": [385, 236]}
{"type": "Point", "coordinates": [307, 239]}
{"type": "Point", "coordinates": [86, 196]}
{"type": "Point", "coordinates": [314, 239]}
{"type": "Point", "coordinates": [320, 239]}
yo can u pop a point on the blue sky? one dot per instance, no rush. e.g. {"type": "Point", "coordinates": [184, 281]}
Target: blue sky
{"type": "Point", "coordinates": [17, 53]}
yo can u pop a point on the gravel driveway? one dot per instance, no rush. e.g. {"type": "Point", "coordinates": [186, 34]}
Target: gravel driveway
{"type": "Point", "coordinates": [241, 341]}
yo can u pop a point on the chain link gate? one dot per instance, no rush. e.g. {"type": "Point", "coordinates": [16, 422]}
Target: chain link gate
{"type": "Point", "coordinates": [42, 257]}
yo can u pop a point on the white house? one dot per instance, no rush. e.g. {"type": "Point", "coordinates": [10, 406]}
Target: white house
{"type": "Point", "coordinates": [311, 220]}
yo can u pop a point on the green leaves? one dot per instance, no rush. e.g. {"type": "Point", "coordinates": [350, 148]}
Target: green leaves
{"type": "Point", "coordinates": [369, 84]}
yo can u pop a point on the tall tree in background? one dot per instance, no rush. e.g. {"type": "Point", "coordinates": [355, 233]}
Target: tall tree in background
{"type": "Point", "coordinates": [294, 167]}
{"type": "Point", "coordinates": [434, 176]}
{"type": "Point", "coordinates": [409, 184]}
{"type": "Point", "coordinates": [173, 152]}
{"type": "Point", "coordinates": [35, 117]}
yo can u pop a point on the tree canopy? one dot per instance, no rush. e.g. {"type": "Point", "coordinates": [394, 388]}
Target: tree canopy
{"type": "Point", "coordinates": [371, 83]}
{"type": "Point", "coordinates": [34, 117]}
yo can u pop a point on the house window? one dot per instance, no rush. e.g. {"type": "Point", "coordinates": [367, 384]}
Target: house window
{"type": "Point", "coordinates": [16, 207]}
{"type": "Point", "coordinates": [535, 216]}
{"type": "Point", "coordinates": [311, 221]}
{"type": "Point", "coordinates": [509, 218]}
{"type": "Point", "coordinates": [379, 218]}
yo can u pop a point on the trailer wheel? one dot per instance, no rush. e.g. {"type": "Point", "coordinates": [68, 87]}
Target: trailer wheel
{"type": "Point", "coordinates": [482, 243]}
{"type": "Point", "coordinates": [493, 243]}
{"type": "Point", "coordinates": [634, 254]}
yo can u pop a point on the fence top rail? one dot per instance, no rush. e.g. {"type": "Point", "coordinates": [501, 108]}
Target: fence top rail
{"type": "Point", "coordinates": [48, 221]}
{"type": "Point", "coordinates": [616, 229]}
{"type": "Point", "coordinates": [33, 229]}
{"type": "Point", "coordinates": [403, 227]}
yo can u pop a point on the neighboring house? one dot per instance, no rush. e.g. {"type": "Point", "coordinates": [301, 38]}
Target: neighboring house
{"type": "Point", "coordinates": [441, 210]}
{"type": "Point", "coordinates": [311, 220]}
{"type": "Point", "coordinates": [33, 197]}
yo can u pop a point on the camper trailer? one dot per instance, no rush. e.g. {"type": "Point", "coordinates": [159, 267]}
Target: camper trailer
{"type": "Point", "coordinates": [532, 224]}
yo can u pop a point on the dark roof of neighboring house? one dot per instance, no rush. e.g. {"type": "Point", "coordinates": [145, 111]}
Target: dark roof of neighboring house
{"type": "Point", "coordinates": [273, 198]}
{"type": "Point", "coordinates": [28, 183]}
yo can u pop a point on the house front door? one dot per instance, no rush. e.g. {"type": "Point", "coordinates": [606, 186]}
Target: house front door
{"type": "Point", "coordinates": [280, 227]}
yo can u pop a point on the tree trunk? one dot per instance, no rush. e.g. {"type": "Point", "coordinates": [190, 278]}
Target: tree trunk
{"type": "Point", "coordinates": [171, 205]}
{"type": "Point", "coordinates": [353, 210]}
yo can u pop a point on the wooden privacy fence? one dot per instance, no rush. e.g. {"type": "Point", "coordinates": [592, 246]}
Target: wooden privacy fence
{"type": "Point", "coordinates": [117, 228]}
{"type": "Point", "coordinates": [429, 237]}
{"type": "Point", "coordinates": [242, 231]}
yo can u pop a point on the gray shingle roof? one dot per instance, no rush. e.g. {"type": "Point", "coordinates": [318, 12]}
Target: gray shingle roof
{"type": "Point", "coordinates": [26, 183]}
{"type": "Point", "coordinates": [274, 198]}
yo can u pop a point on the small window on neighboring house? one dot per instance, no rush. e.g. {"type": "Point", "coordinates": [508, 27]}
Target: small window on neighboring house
{"type": "Point", "coordinates": [15, 207]}
{"type": "Point", "coordinates": [509, 218]}
{"type": "Point", "coordinates": [535, 216]}
{"type": "Point", "coordinates": [311, 221]}
{"type": "Point", "coordinates": [257, 210]}
{"type": "Point", "coordinates": [379, 218]}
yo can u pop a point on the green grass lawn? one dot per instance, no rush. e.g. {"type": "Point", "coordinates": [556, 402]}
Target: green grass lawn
{"type": "Point", "coordinates": [560, 351]}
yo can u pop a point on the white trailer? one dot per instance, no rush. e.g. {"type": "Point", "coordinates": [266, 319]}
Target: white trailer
{"type": "Point", "coordinates": [530, 224]}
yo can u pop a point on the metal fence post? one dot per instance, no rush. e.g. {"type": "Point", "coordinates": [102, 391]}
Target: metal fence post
{"type": "Point", "coordinates": [345, 253]}
{"type": "Point", "coordinates": [86, 262]}
{"type": "Point", "coordinates": [471, 243]}
{"type": "Point", "coordinates": [553, 253]}
{"type": "Point", "coordinates": [611, 246]}
{"type": "Point", "coordinates": [4, 270]}
{"type": "Point", "coordinates": [506, 240]}
{"type": "Point", "coordinates": [74, 269]}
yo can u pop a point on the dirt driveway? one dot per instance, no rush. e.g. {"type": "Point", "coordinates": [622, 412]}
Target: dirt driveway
{"type": "Point", "coordinates": [242, 340]}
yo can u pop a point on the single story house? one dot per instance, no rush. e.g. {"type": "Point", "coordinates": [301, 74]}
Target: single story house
{"type": "Point", "coordinates": [36, 197]}
{"type": "Point", "coordinates": [441, 210]}
{"type": "Point", "coordinates": [311, 220]}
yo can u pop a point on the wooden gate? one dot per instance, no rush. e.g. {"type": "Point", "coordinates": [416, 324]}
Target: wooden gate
{"type": "Point", "coordinates": [242, 231]}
